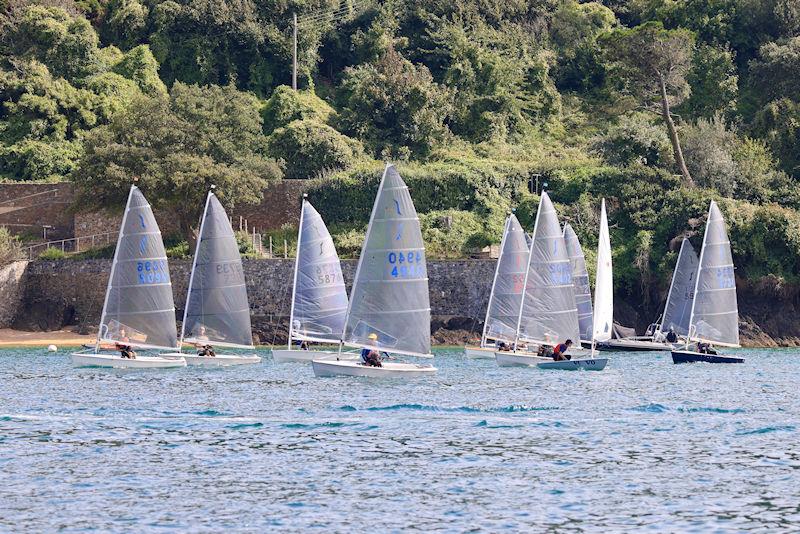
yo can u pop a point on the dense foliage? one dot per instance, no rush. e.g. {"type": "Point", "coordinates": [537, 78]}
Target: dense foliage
{"type": "Point", "coordinates": [657, 105]}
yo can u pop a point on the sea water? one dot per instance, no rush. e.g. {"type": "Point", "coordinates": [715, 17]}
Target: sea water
{"type": "Point", "coordinates": [643, 445]}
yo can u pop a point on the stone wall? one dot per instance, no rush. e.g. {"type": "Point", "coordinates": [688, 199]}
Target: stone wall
{"type": "Point", "coordinates": [11, 291]}
{"type": "Point", "coordinates": [26, 208]}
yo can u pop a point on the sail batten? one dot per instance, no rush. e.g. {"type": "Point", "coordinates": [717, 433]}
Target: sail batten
{"type": "Point", "coordinates": [138, 309]}
{"type": "Point", "coordinates": [217, 310]}
{"type": "Point", "coordinates": [319, 302]}
{"type": "Point", "coordinates": [548, 313]}
{"type": "Point", "coordinates": [715, 312]}
{"type": "Point", "coordinates": [389, 300]}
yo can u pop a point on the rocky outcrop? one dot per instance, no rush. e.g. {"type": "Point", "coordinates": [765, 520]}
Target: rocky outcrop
{"type": "Point", "coordinates": [11, 290]}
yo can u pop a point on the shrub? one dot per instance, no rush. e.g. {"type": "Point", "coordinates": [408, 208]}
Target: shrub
{"type": "Point", "coordinates": [10, 247]}
{"type": "Point", "coordinates": [454, 233]}
{"type": "Point", "coordinates": [286, 105]}
{"type": "Point", "coordinates": [635, 139]}
{"type": "Point", "coordinates": [51, 253]}
{"type": "Point", "coordinates": [309, 147]}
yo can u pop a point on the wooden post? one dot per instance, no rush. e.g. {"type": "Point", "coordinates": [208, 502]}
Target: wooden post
{"type": "Point", "coordinates": [270, 246]}
{"type": "Point", "coordinates": [285, 250]}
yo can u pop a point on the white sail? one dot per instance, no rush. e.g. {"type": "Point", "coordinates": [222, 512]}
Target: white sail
{"type": "Point", "coordinates": [580, 281]}
{"type": "Point", "coordinates": [604, 283]}
{"type": "Point", "coordinates": [390, 291]}
{"type": "Point", "coordinates": [508, 284]}
{"type": "Point", "coordinates": [139, 310]}
{"type": "Point", "coordinates": [715, 312]}
{"type": "Point", "coordinates": [678, 309]}
{"type": "Point", "coordinates": [548, 312]}
{"type": "Point", "coordinates": [319, 303]}
{"type": "Point", "coordinates": [217, 310]}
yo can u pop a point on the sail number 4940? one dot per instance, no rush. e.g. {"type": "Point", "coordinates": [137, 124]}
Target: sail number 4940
{"type": "Point", "coordinates": [406, 264]}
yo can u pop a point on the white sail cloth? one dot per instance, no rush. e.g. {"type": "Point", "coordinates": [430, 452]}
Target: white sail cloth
{"type": "Point", "coordinates": [548, 311]}
{"type": "Point", "coordinates": [580, 281]}
{"type": "Point", "coordinates": [319, 306]}
{"type": "Point", "coordinates": [677, 311]}
{"type": "Point", "coordinates": [390, 291]}
{"type": "Point", "coordinates": [139, 309]}
{"type": "Point", "coordinates": [508, 285]}
{"type": "Point", "coordinates": [217, 310]}
{"type": "Point", "coordinates": [604, 283]}
{"type": "Point", "coordinates": [715, 312]}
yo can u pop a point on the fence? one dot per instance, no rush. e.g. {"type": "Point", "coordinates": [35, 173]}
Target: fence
{"type": "Point", "coordinates": [73, 244]}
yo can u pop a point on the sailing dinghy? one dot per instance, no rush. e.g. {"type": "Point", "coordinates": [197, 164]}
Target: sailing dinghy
{"type": "Point", "coordinates": [714, 316]}
{"type": "Point", "coordinates": [319, 296]}
{"type": "Point", "coordinates": [580, 282]}
{"type": "Point", "coordinates": [217, 311]}
{"type": "Point", "coordinates": [505, 298]}
{"type": "Point", "coordinates": [603, 318]}
{"type": "Point", "coordinates": [389, 308]}
{"type": "Point", "coordinates": [548, 314]}
{"type": "Point", "coordinates": [138, 310]}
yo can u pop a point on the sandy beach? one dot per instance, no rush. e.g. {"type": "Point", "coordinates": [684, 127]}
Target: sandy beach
{"type": "Point", "coordinates": [19, 338]}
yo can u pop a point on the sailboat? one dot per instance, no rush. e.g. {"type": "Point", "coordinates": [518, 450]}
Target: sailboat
{"type": "Point", "coordinates": [714, 317]}
{"type": "Point", "coordinates": [603, 317]}
{"type": "Point", "coordinates": [676, 310]}
{"type": "Point", "coordinates": [217, 311]}
{"type": "Point", "coordinates": [580, 282]}
{"type": "Point", "coordinates": [389, 308]}
{"type": "Point", "coordinates": [138, 310]}
{"type": "Point", "coordinates": [505, 297]}
{"type": "Point", "coordinates": [548, 314]}
{"type": "Point", "coordinates": [319, 296]}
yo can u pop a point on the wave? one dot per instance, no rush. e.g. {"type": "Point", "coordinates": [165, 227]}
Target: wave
{"type": "Point", "coordinates": [767, 430]}
{"type": "Point", "coordinates": [514, 408]}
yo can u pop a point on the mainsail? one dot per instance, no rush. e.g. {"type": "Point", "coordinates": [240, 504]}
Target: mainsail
{"type": "Point", "coordinates": [138, 309]}
{"type": "Point", "coordinates": [217, 310]}
{"type": "Point", "coordinates": [508, 285]}
{"type": "Point", "coordinates": [580, 281]}
{"type": "Point", "coordinates": [604, 283]}
{"type": "Point", "coordinates": [390, 291]}
{"type": "Point", "coordinates": [678, 309]}
{"type": "Point", "coordinates": [548, 312]}
{"type": "Point", "coordinates": [715, 313]}
{"type": "Point", "coordinates": [319, 304]}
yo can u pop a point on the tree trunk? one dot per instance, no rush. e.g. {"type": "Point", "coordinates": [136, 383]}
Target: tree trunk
{"type": "Point", "coordinates": [673, 133]}
{"type": "Point", "coordinates": [189, 233]}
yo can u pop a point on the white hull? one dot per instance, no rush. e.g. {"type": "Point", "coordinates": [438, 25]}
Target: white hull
{"type": "Point", "coordinates": [220, 360]}
{"type": "Point", "coordinates": [91, 359]}
{"type": "Point", "coordinates": [480, 353]}
{"type": "Point", "coordinates": [597, 364]}
{"type": "Point", "coordinates": [325, 368]}
{"type": "Point", "coordinates": [305, 356]}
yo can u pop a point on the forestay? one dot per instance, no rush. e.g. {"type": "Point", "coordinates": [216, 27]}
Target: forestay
{"type": "Point", "coordinates": [604, 283]}
{"type": "Point", "coordinates": [319, 304]}
{"type": "Point", "coordinates": [580, 282]}
{"type": "Point", "coordinates": [715, 313]}
{"type": "Point", "coordinates": [548, 312]}
{"type": "Point", "coordinates": [508, 285]}
{"type": "Point", "coordinates": [390, 290]}
{"type": "Point", "coordinates": [217, 311]}
{"type": "Point", "coordinates": [138, 309]}
{"type": "Point", "coordinates": [678, 309]}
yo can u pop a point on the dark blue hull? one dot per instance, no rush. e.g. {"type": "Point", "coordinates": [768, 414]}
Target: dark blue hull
{"type": "Point", "coordinates": [688, 356]}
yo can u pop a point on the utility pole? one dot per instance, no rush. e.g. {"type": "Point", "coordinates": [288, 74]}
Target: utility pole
{"type": "Point", "coordinates": [294, 53]}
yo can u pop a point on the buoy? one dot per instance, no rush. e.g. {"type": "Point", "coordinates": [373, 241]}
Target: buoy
{"type": "Point", "coordinates": [52, 348]}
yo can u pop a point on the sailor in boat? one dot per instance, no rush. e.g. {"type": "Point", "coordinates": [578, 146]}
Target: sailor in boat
{"type": "Point", "coordinates": [503, 346]}
{"type": "Point", "coordinates": [303, 345]}
{"type": "Point", "coordinates": [125, 350]}
{"type": "Point", "coordinates": [705, 348]}
{"type": "Point", "coordinates": [369, 356]}
{"type": "Point", "coordinates": [204, 349]}
{"type": "Point", "coordinates": [672, 337]}
{"type": "Point", "coordinates": [560, 351]}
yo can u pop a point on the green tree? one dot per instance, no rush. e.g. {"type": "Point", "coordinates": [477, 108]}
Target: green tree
{"type": "Point", "coordinates": [308, 148]}
{"type": "Point", "coordinates": [653, 63]}
{"type": "Point", "coordinates": [177, 147]}
{"type": "Point", "coordinates": [713, 82]}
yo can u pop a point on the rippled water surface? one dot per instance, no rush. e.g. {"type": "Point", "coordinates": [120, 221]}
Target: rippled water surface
{"type": "Point", "coordinates": [643, 445]}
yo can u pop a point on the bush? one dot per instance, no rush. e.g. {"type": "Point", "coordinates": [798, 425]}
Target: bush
{"type": "Point", "coordinates": [286, 105]}
{"type": "Point", "coordinates": [635, 139]}
{"type": "Point", "coordinates": [309, 147]}
{"type": "Point", "coordinates": [52, 254]}
{"type": "Point", "coordinates": [10, 247]}
{"type": "Point", "coordinates": [454, 234]}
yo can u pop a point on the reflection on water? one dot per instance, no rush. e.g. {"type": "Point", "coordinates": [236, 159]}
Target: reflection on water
{"type": "Point", "coordinates": [644, 444]}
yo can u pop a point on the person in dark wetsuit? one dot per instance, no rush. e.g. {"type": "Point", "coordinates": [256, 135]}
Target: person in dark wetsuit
{"type": "Point", "coordinates": [369, 356]}
{"type": "Point", "coordinates": [207, 350]}
{"type": "Point", "coordinates": [560, 351]}
{"type": "Point", "coordinates": [672, 337]}
{"type": "Point", "coordinates": [705, 348]}
{"type": "Point", "coordinates": [125, 350]}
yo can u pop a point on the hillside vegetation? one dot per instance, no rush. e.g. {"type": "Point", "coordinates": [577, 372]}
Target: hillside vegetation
{"type": "Point", "coordinates": [659, 106]}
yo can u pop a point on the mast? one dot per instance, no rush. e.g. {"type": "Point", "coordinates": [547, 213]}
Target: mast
{"type": "Point", "coordinates": [194, 264]}
{"type": "Point", "coordinates": [494, 280]}
{"type": "Point", "coordinates": [296, 262]}
{"type": "Point", "coordinates": [113, 268]}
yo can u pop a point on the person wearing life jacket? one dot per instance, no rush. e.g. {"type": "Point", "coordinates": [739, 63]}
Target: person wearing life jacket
{"type": "Point", "coordinates": [672, 337]}
{"type": "Point", "coordinates": [369, 356]}
{"type": "Point", "coordinates": [560, 351]}
{"type": "Point", "coordinates": [207, 351]}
